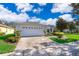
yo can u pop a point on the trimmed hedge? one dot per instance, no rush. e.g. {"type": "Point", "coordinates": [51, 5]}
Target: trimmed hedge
{"type": "Point", "coordinates": [6, 36]}
{"type": "Point", "coordinates": [59, 34]}
{"type": "Point", "coordinates": [10, 35]}
{"type": "Point", "coordinates": [2, 33]}
{"type": "Point", "coordinates": [3, 37]}
{"type": "Point", "coordinates": [10, 38]}
{"type": "Point", "coordinates": [58, 40]}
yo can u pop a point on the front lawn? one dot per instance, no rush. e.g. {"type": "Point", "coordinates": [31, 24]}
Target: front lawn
{"type": "Point", "coordinates": [6, 42]}
{"type": "Point", "coordinates": [70, 38]}
{"type": "Point", "coordinates": [6, 47]}
{"type": "Point", "coordinates": [73, 36]}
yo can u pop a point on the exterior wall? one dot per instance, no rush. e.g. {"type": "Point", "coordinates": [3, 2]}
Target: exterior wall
{"type": "Point", "coordinates": [2, 29]}
{"type": "Point", "coordinates": [9, 31]}
{"type": "Point", "coordinates": [6, 30]}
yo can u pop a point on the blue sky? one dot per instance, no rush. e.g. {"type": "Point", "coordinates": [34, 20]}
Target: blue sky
{"type": "Point", "coordinates": [43, 12]}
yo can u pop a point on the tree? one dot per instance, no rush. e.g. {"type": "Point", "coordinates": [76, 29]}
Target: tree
{"type": "Point", "coordinates": [75, 13]}
{"type": "Point", "coordinates": [61, 24]}
{"type": "Point", "coordinates": [77, 25]}
{"type": "Point", "coordinates": [72, 26]}
{"type": "Point", "coordinates": [75, 8]}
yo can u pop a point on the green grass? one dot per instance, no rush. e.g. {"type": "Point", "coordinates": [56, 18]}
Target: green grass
{"type": "Point", "coordinates": [6, 47]}
{"type": "Point", "coordinates": [71, 38]}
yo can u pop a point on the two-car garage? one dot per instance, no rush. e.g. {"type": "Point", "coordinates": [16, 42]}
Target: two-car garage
{"type": "Point", "coordinates": [31, 29]}
{"type": "Point", "coordinates": [32, 32]}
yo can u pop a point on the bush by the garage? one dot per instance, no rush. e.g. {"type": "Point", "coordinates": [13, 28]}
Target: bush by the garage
{"type": "Point", "coordinates": [10, 35]}
{"type": "Point", "coordinates": [59, 34]}
{"type": "Point", "coordinates": [12, 38]}
{"type": "Point", "coordinates": [2, 33]}
{"type": "Point", "coordinates": [3, 37]}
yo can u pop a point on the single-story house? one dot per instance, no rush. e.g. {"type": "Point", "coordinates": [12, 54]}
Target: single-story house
{"type": "Point", "coordinates": [6, 29]}
{"type": "Point", "coordinates": [33, 29]}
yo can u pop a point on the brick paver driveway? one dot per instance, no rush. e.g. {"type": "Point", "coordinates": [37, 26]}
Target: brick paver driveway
{"type": "Point", "coordinates": [29, 42]}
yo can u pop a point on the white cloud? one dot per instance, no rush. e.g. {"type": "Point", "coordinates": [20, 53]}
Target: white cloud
{"type": "Point", "coordinates": [23, 7]}
{"type": "Point", "coordinates": [49, 21]}
{"type": "Point", "coordinates": [67, 17]}
{"type": "Point", "coordinates": [42, 4]}
{"type": "Point", "coordinates": [61, 7]}
{"type": "Point", "coordinates": [38, 10]}
{"type": "Point", "coordinates": [8, 15]}
{"type": "Point", "coordinates": [35, 19]}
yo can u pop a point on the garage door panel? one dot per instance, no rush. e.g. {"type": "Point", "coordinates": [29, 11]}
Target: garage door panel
{"type": "Point", "coordinates": [33, 32]}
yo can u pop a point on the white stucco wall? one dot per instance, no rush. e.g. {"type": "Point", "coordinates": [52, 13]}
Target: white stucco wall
{"type": "Point", "coordinates": [7, 30]}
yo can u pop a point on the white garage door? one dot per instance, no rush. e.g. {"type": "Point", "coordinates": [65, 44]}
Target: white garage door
{"type": "Point", "coordinates": [32, 32]}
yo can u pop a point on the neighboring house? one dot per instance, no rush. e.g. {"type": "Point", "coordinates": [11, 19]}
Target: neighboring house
{"type": "Point", "coordinates": [6, 29]}
{"type": "Point", "coordinates": [33, 29]}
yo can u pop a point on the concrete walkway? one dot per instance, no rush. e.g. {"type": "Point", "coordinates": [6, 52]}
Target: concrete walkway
{"type": "Point", "coordinates": [29, 42]}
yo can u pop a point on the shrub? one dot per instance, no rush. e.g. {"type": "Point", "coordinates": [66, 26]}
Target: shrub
{"type": "Point", "coordinates": [3, 37]}
{"type": "Point", "coordinates": [59, 34]}
{"type": "Point", "coordinates": [58, 40]}
{"type": "Point", "coordinates": [11, 39]}
{"type": "Point", "coordinates": [10, 35]}
{"type": "Point", "coordinates": [17, 33]}
{"type": "Point", "coordinates": [2, 33]}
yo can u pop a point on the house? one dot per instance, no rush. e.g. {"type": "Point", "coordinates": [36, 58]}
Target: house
{"type": "Point", "coordinates": [6, 29]}
{"type": "Point", "coordinates": [33, 29]}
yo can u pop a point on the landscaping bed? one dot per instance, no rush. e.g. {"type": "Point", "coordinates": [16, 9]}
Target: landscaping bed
{"type": "Point", "coordinates": [7, 42]}
{"type": "Point", "coordinates": [70, 38]}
